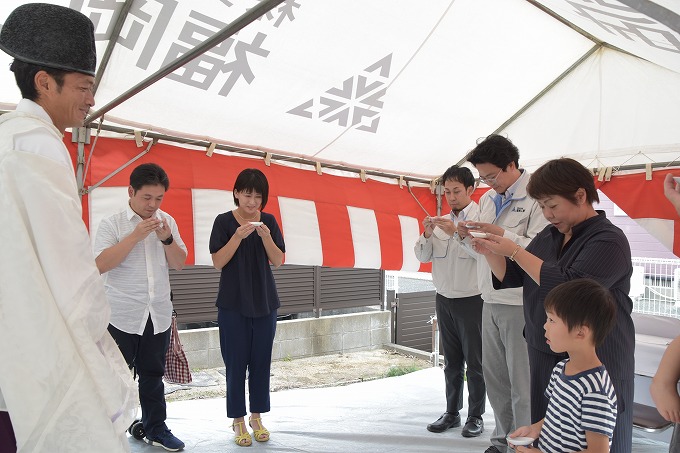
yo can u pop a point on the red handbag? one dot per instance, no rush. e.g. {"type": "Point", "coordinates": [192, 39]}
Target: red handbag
{"type": "Point", "coordinates": [176, 364]}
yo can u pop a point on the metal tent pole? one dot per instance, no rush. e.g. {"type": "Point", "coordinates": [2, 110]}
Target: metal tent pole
{"type": "Point", "coordinates": [115, 34]}
{"type": "Point", "coordinates": [83, 134]}
{"type": "Point", "coordinates": [542, 93]}
{"type": "Point", "coordinates": [231, 29]}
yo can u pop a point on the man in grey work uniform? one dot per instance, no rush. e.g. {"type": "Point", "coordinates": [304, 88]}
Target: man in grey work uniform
{"type": "Point", "coordinates": [505, 210]}
{"type": "Point", "coordinates": [458, 303]}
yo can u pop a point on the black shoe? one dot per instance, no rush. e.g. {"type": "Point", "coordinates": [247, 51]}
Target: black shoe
{"type": "Point", "coordinates": [492, 449]}
{"type": "Point", "coordinates": [444, 422]}
{"type": "Point", "coordinates": [474, 426]}
{"type": "Point", "coordinates": [166, 440]}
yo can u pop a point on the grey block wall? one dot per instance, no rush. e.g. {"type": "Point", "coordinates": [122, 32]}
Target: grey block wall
{"type": "Point", "coordinates": [299, 338]}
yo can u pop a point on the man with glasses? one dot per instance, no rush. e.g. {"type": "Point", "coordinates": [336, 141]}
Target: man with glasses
{"type": "Point", "coordinates": [505, 210]}
{"type": "Point", "coordinates": [458, 303]}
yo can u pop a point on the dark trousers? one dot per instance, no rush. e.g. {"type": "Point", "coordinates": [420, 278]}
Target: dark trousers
{"type": "Point", "coordinates": [460, 325]}
{"type": "Point", "coordinates": [8, 443]}
{"type": "Point", "coordinates": [146, 354]}
{"type": "Point", "coordinates": [541, 365]}
{"type": "Point", "coordinates": [246, 344]}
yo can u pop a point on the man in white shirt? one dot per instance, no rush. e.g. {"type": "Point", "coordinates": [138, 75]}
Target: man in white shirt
{"type": "Point", "coordinates": [64, 385]}
{"type": "Point", "coordinates": [505, 210]}
{"type": "Point", "coordinates": [458, 303]}
{"type": "Point", "coordinates": [134, 249]}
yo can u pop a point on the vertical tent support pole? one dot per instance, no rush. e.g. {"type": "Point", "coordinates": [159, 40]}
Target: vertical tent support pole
{"type": "Point", "coordinates": [80, 135]}
{"type": "Point", "coordinates": [438, 191]}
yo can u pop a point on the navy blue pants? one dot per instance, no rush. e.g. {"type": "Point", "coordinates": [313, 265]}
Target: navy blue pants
{"type": "Point", "coordinates": [146, 354]}
{"type": "Point", "coordinates": [246, 345]}
{"type": "Point", "coordinates": [541, 365]}
{"type": "Point", "coordinates": [8, 443]}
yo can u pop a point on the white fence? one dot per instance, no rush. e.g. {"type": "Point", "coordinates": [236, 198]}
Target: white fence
{"type": "Point", "coordinates": [655, 286]}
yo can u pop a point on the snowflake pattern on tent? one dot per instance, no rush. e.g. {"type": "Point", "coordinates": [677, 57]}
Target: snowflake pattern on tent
{"type": "Point", "coordinates": [359, 98]}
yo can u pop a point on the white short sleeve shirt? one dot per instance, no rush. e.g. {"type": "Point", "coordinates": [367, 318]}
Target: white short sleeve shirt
{"type": "Point", "coordinates": [138, 287]}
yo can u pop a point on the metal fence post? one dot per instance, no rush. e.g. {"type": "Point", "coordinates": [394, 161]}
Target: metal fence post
{"type": "Point", "coordinates": [392, 302]}
{"type": "Point", "coordinates": [317, 291]}
{"type": "Point", "coordinates": [434, 357]}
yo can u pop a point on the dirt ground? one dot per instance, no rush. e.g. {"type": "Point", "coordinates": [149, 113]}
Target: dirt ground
{"type": "Point", "coordinates": [321, 371]}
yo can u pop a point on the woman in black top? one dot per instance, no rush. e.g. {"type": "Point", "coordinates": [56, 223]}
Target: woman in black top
{"type": "Point", "coordinates": [579, 242]}
{"type": "Point", "coordinates": [243, 242]}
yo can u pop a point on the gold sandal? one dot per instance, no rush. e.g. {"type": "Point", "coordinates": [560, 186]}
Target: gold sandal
{"type": "Point", "coordinates": [244, 439]}
{"type": "Point", "coordinates": [262, 434]}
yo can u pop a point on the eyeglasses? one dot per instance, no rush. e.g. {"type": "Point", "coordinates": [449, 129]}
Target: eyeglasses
{"type": "Point", "coordinates": [490, 181]}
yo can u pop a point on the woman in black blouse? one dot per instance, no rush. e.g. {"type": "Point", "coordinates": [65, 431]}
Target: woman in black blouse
{"type": "Point", "coordinates": [243, 242]}
{"type": "Point", "coordinates": [579, 242]}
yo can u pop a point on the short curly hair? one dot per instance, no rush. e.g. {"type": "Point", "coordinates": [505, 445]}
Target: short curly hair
{"type": "Point", "coordinates": [495, 150]}
{"type": "Point", "coordinates": [562, 177]}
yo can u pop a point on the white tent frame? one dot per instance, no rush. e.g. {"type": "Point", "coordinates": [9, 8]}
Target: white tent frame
{"type": "Point", "coordinates": [659, 13]}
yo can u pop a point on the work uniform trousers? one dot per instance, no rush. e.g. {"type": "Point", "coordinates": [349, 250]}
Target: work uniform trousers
{"type": "Point", "coordinates": [146, 354]}
{"type": "Point", "coordinates": [506, 369]}
{"type": "Point", "coordinates": [460, 325]}
{"type": "Point", "coordinates": [8, 443]}
{"type": "Point", "coordinates": [246, 345]}
{"type": "Point", "coordinates": [541, 365]}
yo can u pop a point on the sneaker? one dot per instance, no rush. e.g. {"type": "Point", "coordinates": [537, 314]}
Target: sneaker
{"type": "Point", "coordinates": [166, 440]}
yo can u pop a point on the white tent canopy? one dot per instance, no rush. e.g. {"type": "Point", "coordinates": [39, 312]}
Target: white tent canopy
{"type": "Point", "coordinates": [391, 87]}
{"type": "Point", "coordinates": [403, 86]}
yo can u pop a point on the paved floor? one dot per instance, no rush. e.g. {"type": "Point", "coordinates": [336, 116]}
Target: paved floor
{"type": "Point", "coordinates": [380, 416]}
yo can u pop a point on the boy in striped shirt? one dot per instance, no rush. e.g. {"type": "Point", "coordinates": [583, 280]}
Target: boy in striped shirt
{"type": "Point", "coordinates": [582, 410]}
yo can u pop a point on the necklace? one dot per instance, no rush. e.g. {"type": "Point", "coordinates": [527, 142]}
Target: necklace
{"type": "Point", "coordinates": [235, 211]}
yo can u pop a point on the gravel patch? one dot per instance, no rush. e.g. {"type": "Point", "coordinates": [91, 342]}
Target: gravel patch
{"type": "Point", "coordinates": [308, 372]}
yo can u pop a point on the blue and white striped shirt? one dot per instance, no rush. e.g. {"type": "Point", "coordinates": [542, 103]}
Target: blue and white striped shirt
{"type": "Point", "coordinates": [583, 402]}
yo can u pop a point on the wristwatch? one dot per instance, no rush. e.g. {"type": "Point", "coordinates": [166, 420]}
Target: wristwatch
{"type": "Point", "coordinates": [167, 241]}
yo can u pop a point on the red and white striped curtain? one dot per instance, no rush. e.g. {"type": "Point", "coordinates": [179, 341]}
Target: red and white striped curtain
{"type": "Point", "coordinates": [326, 220]}
{"type": "Point", "coordinates": [644, 202]}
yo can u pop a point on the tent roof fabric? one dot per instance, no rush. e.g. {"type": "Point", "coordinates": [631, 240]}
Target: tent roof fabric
{"type": "Point", "coordinates": [399, 86]}
{"type": "Point", "coordinates": [387, 87]}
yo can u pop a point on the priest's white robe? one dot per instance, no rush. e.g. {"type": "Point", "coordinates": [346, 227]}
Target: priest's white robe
{"type": "Point", "coordinates": [62, 377]}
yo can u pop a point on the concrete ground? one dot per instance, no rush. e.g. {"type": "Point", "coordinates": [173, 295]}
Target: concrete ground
{"type": "Point", "coordinates": [343, 408]}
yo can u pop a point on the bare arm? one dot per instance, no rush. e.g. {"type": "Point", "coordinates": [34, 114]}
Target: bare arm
{"type": "Point", "coordinates": [530, 263]}
{"type": "Point", "coordinates": [664, 387]}
{"type": "Point", "coordinates": [226, 253]}
{"type": "Point", "coordinates": [597, 443]}
{"type": "Point", "coordinates": [496, 248]}
{"type": "Point", "coordinates": [532, 431]}
{"type": "Point", "coordinates": [672, 192]}
{"type": "Point", "coordinates": [175, 255]}
{"type": "Point", "coordinates": [274, 253]}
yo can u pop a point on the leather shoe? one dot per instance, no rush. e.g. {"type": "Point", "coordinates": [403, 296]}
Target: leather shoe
{"type": "Point", "coordinates": [474, 426]}
{"type": "Point", "coordinates": [446, 421]}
